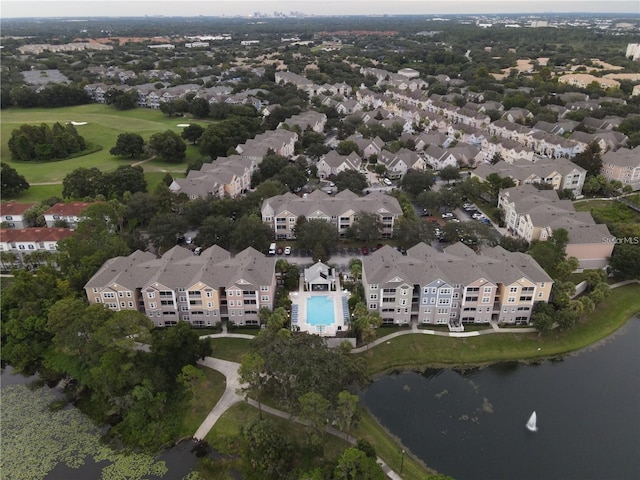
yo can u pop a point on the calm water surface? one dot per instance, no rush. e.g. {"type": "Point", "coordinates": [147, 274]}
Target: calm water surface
{"type": "Point", "coordinates": [471, 425]}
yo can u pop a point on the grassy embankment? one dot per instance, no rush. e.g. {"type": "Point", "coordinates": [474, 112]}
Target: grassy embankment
{"type": "Point", "coordinates": [104, 124]}
{"type": "Point", "coordinates": [207, 392]}
{"type": "Point", "coordinates": [421, 350]}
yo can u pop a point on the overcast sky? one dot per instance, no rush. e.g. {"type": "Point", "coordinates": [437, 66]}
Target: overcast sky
{"type": "Point", "coordinates": [57, 8]}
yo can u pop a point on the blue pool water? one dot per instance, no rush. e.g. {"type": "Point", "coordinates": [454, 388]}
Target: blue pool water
{"type": "Point", "coordinates": [320, 310]}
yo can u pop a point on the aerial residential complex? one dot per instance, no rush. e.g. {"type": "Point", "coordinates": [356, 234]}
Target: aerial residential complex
{"type": "Point", "coordinates": [200, 289]}
{"type": "Point", "coordinates": [454, 287]}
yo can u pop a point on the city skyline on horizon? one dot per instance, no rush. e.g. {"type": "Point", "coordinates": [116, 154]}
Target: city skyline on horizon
{"type": "Point", "coordinates": [235, 8]}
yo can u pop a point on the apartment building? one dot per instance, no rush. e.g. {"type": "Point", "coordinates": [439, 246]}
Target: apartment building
{"type": "Point", "coordinates": [180, 286]}
{"type": "Point", "coordinates": [282, 211]}
{"type": "Point", "coordinates": [224, 177]}
{"type": "Point", "coordinates": [69, 213]}
{"type": "Point", "coordinates": [535, 214]}
{"type": "Point", "coordinates": [623, 165]}
{"type": "Point", "coordinates": [12, 214]}
{"type": "Point", "coordinates": [21, 241]}
{"type": "Point", "coordinates": [560, 173]}
{"type": "Point", "coordinates": [453, 288]}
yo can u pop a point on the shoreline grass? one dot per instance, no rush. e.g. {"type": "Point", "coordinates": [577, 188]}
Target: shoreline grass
{"type": "Point", "coordinates": [207, 392]}
{"type": "Point", "coordinates": [415, 351]}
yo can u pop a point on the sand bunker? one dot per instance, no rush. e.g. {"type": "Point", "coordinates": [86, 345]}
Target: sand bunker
{"type": "Point", "coordinates": [183, 124]}
{"type": "Point", "coordinates": [75, 124]}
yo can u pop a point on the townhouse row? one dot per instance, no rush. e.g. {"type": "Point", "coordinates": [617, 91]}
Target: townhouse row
{"type": "Point", "coordinates": [200, 289]}
{"type": "Point", "coordinates": [454, 287]}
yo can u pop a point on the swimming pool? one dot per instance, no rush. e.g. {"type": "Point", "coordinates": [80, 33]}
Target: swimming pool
{"type": "Point", "coordinates": [320, 310]}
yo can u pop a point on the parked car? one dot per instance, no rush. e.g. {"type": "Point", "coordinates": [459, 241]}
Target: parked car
{"type": "Point", "coordinates": [279, 250]}
{"type": "Point", "coordinates": [447, 215]}
{"type": "Point", "coordinates": [365, 251]}
{"type": "Point", "coordinates": [287, 250]}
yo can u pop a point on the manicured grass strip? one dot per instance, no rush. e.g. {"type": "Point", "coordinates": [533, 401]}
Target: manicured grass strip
{"type": "Point", "coordinates": [38, 193]}
{"type": "Point", "coordinates": [422, 350]}
{"type": "Point", "coordinates": [231, 349]}
{"type": "Point", "coordinates": [389, 448]}
{"type": "Point", "coordinates": [207, 393]}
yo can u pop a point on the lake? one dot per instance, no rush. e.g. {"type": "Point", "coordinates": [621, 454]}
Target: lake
{"type": "Point", "coordinates": [471, 424]}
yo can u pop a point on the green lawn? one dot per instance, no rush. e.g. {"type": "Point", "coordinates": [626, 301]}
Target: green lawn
{"type": "Point", "coordinates": [422, 350]}
{"type": "Point", "coordinates": [231, 349]}
{"type": "Point", "coordinates": [103, 127]}
{"type": "Point", "coordinates": [208, 392]}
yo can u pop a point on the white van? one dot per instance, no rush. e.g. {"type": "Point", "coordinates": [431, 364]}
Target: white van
{"type": "Point", "coordinates": [387, 182]}
{"type": "Point", "coordinates": [272, 249]}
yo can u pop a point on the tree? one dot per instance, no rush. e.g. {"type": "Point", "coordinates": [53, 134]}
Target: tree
{"type": "Point", "coordinates": [215, 230]}
{"type": "Point", "coordinates": [165, 228]}
{"type": "Point", "coordinates": [366, 227]}
{"type": "Point", "coordinates": [252, 373]}
{"type": "Point", "coordinates": [449, 173]}
{"type": "Point", "coordinates": [199, 107]}
{"type": "Point", "coordinates": [494, 183]}
{"type": "Point", "coordinates": [314, 408]}
{"type": "Point", "coordinates": [311, 233]}
{"type": "Point", "coordinates": [411, 232]}
{"type": "Point", "coordinates": [83, 183]}
{"type": "Point", "coordinates": [347, 147]}
{"type": "Point", "coordinates": [122, 100]}
{"type": "Point", "coordinates": [125, 178]}
{"type": "Point", "coordinates": [346, 410]}
{"type": "Point", "coordinates": [12, 182]}
{"type": "Point", "coordinates": [266, 453]}
{"type": "Point", "coordinates": [128, 145]}
{"type": "Point", "coordinates": [365, 323]}
{"type": "Point", "coordinates": [192, 133]}
{"type": "Point", "coordinates": [251, 231]}
{"type": "Point", "coordinates": [590, 159]}
{"type": "Point", "coordinates": [174, 348]}
{"type": "Point", "coordinates": [44, 142]}
{"type": "Point", "coordinates": [168, 146]}
{"type": "Point", "coordinates": [625, 260]}
{"type": "Point", "coordinates": [350, 180]}
{"type": "Point", "coordinates": [292, 177]}
{"type": "Point", "coordinates": [355, 465]}
{"type": "Point", "coordinates": [415, 182]}
{"type": "Point", "coordinates": [94, 242]}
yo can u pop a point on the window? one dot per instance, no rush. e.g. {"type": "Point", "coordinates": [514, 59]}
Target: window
{"type": "Point", "coordinates": [153, 305]}
{"type": "Point", "coordinates": [487, 289]}
{"type": "Point", "coordinates": [432, 301]}
{"type": "Point", "coordinates": [373, 296]}
{"type": "Point", "coordinates": [513, 289]}
{"type": "Point", "coordinates": [443, 301]}
{"type": "Point", "coordinates": [130, 304]}
{"type": "Point", "coordinates": [95, 290]}
{"type": "Point", "coordinates": [121, 294]}
{"type": "Point", "coordinates": [404, 291]}
{"type": "Point", "coordinates": [372, 306]}
{"type": "Point", "coordinates": [264, 298]}
{"type": "Point", "coordinates": [445, 291]}
{"type": "Point", "coordinates": [210, 304]}
{"type": "Point", "coordinates": [182, 299]}
{"type": "Point", "coordinates": [151, 295]}
{"type": "Point", "coordinates": [108, 295]}
{"type": "Point", "coordinates": [511, 300]}
{"type": "Point", "coordinates": [486, 299]}
{"type": "Point", "coordinates": [9, 217]}
{"type": "Point", "coordinates": [208, 294]}
{"type": "Point", "coordinates": [239, 303]}
{"type": "Point", "coordinates": [122, 304]}
{"type": "Point", "coordinates": [129, 294]}
{"type": "Point", "coordinates": [373, 286]}
{"type": "Point", "coordinates": [264, 288]}
{"type": "Point", "coordinates": [31, 247]}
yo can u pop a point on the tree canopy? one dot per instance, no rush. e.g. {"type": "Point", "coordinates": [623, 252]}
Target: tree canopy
{"type": "Point", "coordinates": [43, 143]}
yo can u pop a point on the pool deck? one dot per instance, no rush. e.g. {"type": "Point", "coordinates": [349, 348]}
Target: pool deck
{"type": "Point", "coordinates": [299, 311]}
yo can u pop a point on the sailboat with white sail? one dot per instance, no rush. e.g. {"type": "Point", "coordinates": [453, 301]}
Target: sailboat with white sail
{"type": "Point", "coordinates": [532, 422]}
